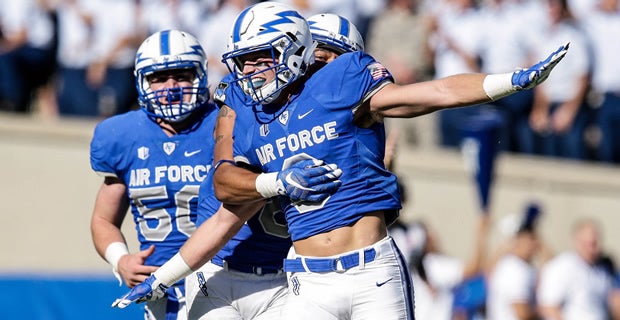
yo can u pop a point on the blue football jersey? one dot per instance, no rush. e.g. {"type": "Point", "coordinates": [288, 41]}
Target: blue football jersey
{"type": "Point", "coordinates": [162, 174]}
{"type": "Point", "coordinates": [263, 241]}
{"type": "Point", "coordinates": [317, 122]}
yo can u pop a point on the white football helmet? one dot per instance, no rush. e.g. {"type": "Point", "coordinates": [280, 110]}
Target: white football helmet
{"type": "Point", "coordinates": [168, 50]}
{"type": "Point", "coordinates": [335, 33]}
{"type": "Point", "coordinates": [276, 28]}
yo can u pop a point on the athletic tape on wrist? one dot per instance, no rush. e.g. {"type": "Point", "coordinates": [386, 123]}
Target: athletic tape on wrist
{"type": "Point", "coordinates": [267, 185]}
{"type": "Point", "coordinates": [113, 254]}
{"type": "Point", "coordinates": [497, 86]}
{"type": "Point", "coordinates": [173, 271]}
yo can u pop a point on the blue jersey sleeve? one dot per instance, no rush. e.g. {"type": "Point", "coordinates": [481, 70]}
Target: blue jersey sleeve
{"type": "Point", "coordinates": [349, 80]}
{"type": "Point", "coordinates": [104, 153]}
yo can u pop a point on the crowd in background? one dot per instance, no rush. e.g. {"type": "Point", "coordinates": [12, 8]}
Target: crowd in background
{"type": "Point", "coordinates": [519, 277]}
{"type": "Point", "coordinates": [75, 58]}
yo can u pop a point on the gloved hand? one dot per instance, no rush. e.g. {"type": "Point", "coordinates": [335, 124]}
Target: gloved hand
{"type": "Point", "coordinates": [150, 289]}
{"type": "Point", "coordinates": [306, 180]}
{"type": "Point", "coordinates": [536, 74]}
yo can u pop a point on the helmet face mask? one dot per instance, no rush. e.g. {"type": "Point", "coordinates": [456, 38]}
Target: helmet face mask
{"type": "Point", "coordinates": [282, 34]}
{"type": "Point", "coordinates": [166, 52]}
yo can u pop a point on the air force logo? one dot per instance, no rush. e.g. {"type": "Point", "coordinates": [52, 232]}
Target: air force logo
{"type": "Point", "coordinates": [283, 118]}
{"type": "Point", "coordinates": [169, 147]}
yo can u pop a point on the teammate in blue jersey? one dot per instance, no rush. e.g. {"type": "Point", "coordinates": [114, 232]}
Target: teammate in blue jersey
{"type": "Point", "coordinates": [344, 265]}
{"type": "Point", "coordinates": [154, 160]}
{"type": "Point", "coordinates": [254, 255]}
{"type": "Point", "coordinates": [244, 280]}
{"type": "Point", "coordinates": [334, 35]}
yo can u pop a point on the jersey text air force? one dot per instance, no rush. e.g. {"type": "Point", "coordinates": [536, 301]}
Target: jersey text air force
{"type": "Point", "coordinates": [318, 123]}
{"type": "Point", "coordinates": [162, 175]}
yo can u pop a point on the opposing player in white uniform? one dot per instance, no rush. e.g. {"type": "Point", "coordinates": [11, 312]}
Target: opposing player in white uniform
{"type": "Point", "coordinates": [344, 266]}
{"type": "Point", "coordinates": [154, 160]}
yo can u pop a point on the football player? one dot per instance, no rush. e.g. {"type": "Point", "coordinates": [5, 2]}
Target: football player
{"type": "Point", "coordinates": [334, 35]}
{"type": "Point", "coordinates": [344, 265]}
{"type": "Point", "coordinates": [154, 160]}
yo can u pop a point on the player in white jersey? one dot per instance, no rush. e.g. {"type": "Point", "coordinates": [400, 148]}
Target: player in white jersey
{"type": "Point", "coordinates": [344, 265]}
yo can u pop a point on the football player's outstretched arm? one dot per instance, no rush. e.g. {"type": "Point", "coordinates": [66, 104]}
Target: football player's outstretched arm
{"type": "Point", "coordinates": [306, 180]}
{"type": "Point", "coordinates": [204, 243]}
{"type": "Point", "coordinates": [110, 208]}
{"type": "Point", "coordinates": [417, 99]}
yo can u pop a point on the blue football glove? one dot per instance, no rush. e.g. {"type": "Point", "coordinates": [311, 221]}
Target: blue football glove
{"type": "Point", "coordinates": [536, 74]}
{"type": "Point", "coordinates": [307, 181]}
{"type": "Point", "coordinates": [150, 289]}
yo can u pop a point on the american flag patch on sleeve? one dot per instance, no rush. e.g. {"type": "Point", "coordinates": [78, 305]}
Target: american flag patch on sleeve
{"type": "Point", "coordinates": [377, 71]}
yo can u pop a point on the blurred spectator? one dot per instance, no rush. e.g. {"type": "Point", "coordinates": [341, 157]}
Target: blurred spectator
{"type": "Point", "coordinates": [359, 12]}
{"type": "Point", "coordinates": [398, 37]}
{"type": "Point", "coordinates": [98, 42]}
{"type": "Point", "coordinates": [186, 15]}
{"type": "Point", "coordinates": [506, 42]}
{"type": "Point", "coordinates": [582, 8]}
{"type": "Point", "coordinates": [575, 284]}
{"type": "Point", "coordinates": [116, 37]}
{"type": "Point", "coordinates": [27, 51]}
{"type": "Point", "coordinates": [559, 113]}
{"type": "Point", "coordinates": [436, 275]}
{"type": "Point", "coordinates": [455, 41]}
{"type": "Point", "coordinates": [213, 36]}
{"type": "Point", "coordinates": [602, 25]}
{"type": "Point", "coordinates": [75, 96]}
{"type": "Point", "coordinates": [512, 279]}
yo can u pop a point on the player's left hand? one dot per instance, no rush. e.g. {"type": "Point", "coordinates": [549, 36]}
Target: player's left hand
{"type": "Point", "coordinates": [536, 74]}
{"type": "Point", "coordinates": [150, 289]}
{"type": "Point", "coordinates": [309, 180]}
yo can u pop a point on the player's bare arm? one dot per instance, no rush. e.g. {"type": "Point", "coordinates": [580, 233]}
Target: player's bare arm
{"type": "Point", "coordinates": [213, 234]}
{"type": "Point", "coordinates": [204, 243]}
{"type": "Point", "coordinates": [412, 100]}
{"type": "Point", "coordinates": [109, 212]}
{"type": "Point", "coordinates": [110, 208]}
{"type": "Point", "coordinates": [232, 184]}
{"type": "Point", "coordinates": [458, 90]}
